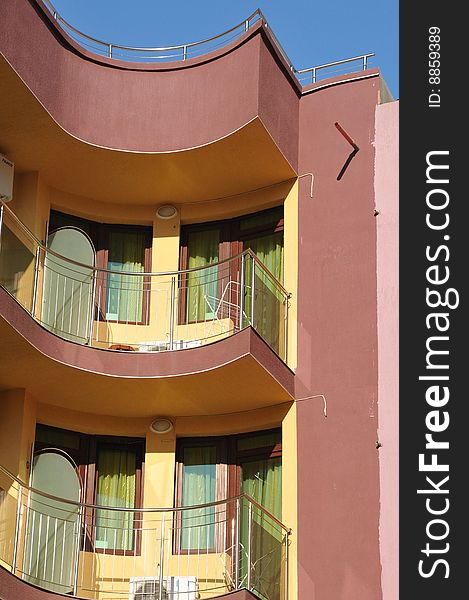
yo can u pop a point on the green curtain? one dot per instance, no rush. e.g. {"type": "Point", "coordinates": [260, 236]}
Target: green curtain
{"type": "Point", "coordinates": [126, 253]}
{"type": "Point", "coordinates": [269, 250]}
{"type": "Point", "coordinates": [202, 286]}
{"type": "Point", "coordinates": [198, 487]}
{"type": "Point", "coordinates": [116, 488]}
{"type": "Point", "coordinates": [268, 301]}
{"type": "Point", "coordinates": [262, 479]}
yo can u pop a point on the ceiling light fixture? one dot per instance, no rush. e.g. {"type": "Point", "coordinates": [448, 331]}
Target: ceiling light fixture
{"type": "Point", "coordinates": [166, 211]}
{"type": "Point", "coordinates": [161, 425]}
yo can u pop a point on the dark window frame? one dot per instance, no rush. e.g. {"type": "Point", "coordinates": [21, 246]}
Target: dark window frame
{"type": "Point", "coordinates": [220, 465]}
{"type": "Point", "coordinates": [86, 461]}
{"type": "Point", "coordinates": [122, 443]}
{"type": "Point", "coordinates": [99, 235]}
{"type": "Point", "coordinates": [233, 241]}
{"type": "Point", "coordinates": [230, 486]}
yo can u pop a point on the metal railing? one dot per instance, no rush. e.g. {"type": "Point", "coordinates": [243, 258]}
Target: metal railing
{"type": "Point", "coordinates": [194, 49]}
{"type": "Point", "coordinates": [332, 69]}
{"type": "Point", "coordinates": [141, 311]}
{"type": "Point", "coordinates": [183, 553]}
{"type": "Point", "coordinates": [155, 54]}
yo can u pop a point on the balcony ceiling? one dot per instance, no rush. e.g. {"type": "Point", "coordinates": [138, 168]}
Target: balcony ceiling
{"type": "Point", "coordinates": [244, 160]}
{"type": "Point", "coordinates": [235, 374]}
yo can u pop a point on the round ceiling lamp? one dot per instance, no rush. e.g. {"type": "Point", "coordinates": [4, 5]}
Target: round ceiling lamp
{"type": "Point", "coordinates": [161, 425]}
{"type": "Point", "coordinates": [166, 211]}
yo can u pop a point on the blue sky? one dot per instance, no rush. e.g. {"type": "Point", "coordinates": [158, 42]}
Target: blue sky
{"type": "Point", "coordinates": [311, 33]}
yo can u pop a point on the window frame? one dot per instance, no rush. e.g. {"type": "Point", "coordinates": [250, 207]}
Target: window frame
{"type": "Point", "coordinates": [86, 461]}
{"type": "Point", "coordinates": [99, 234]}
{"type": "Point", "coordinates": [228, 477]}
{"type": "Point", "coordinates": [121, 443]}
{"type": "Point", "coordinates": [220, 488]}
{"type": "Point", "coordinates": [232, 242]}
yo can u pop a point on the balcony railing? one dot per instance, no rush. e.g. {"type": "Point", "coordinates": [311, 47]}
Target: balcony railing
{"type": "Point", "coordinates": [194, 49]}
{"type": "Point", "coordinates": [140, 311]}
{"type": "Point", "coordinates": [186, 553]}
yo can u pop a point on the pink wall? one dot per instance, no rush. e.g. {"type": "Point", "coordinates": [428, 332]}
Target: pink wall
{"type": "Point", "coordinates": [387, 203]}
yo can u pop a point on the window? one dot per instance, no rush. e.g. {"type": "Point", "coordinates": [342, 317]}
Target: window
{"type": "Point", "coordinates": [210, 469]}
{"type": "Point", "coordinates": [202, 286]}
{"type": "Point", "coordinates": [122, 249]}
{"type": "Point", "coordinates": [198, 487]}
{"type": "Point", "coordinates": [116, 486]}
{"type": "Point", "coordinates": [206, 243]}
{"type": "Point", "coordinates": [110, 469]}
{"type": "Point", "coordinates": [207, 294]}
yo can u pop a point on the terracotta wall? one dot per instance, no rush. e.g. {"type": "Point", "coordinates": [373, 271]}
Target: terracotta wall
{"type": "Point", "coordinates": [152, 107]}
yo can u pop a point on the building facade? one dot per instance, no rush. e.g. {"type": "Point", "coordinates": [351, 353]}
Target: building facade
{"type": "Point", "coordinates": [198, 320]}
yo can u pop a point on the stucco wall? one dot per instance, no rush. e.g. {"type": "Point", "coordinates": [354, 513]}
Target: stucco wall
{"type": "Point", "coordinates": [387, 203]}
{"type": "Point", "coordinates": [338, 476]}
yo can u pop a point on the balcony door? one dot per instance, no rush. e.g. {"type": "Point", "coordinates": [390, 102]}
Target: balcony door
{"type": "Point", "coordinates": [53, 527]}
{"type": "Point", "coordinates": [67, 301]}
{"type": "Point", "coordinates": [259, 460]}
{"type": "Point", "coordinates": [214, 293]}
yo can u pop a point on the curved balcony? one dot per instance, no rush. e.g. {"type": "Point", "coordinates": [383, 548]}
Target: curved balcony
{"type": "Point", "coordinates": [183, 52]}
{"type": "Point", "coordinates": [139, 311]}
{"type": "Point", "coordinates": [170, 342]}
{"type": "Point", "coordinates": [66, 546]}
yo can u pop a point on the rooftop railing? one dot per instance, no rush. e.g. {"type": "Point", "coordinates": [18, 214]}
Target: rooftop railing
{"type": "Point", "coordinates": [115, 553]}
{"type": "Point", "coordinates": [190, 50]}
{"type": "Point", "coordinates": [136, 310]}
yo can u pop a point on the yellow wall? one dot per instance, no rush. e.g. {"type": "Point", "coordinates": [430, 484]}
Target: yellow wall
{"type": "Point", "coordinates": [291, 269]}
{"type": "Point", "coordinates": [290, 493]}
{"type": "Point", "coordinates": [17, 430]}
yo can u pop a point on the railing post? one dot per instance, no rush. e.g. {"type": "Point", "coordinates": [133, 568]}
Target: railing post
{"type": "Point", "coordinates": [36, 275]}
{"type": "Point", "coordinates": [171, 316]}
{"type": "Point", "coordinates": [77, 553]}
{"type": "Point", "coordinates": [285, 341]}
{"type": "Point", "coordinates": [249, 545]}
{"type": "Point", "coordinates": [184, 52]}
{"type": "Point", "coordinates": [365, 62]}
{"type": "Point", "coordinates": [253, 278]}
{"type": "Point", "coordinates": [241, 299]}
{"type": "Point", "coordinates": [237, 526]}
{"type": "Point", "coordinates": [246, 25]}
{"type": "Point", "coordinates": [160, 591]}
{"type": "Point", "coordinates": [93, 301]}
{"type": "Point", "coordinates": [286, 565]}
{"type": "Point", "coordinates": [110, 50]}
{"type": "Point", "coordinates": [1, 225]}
{"type": "Point", "coordinates": [313, 75]}
{"type": "Point", "coordinates": [17, 530]}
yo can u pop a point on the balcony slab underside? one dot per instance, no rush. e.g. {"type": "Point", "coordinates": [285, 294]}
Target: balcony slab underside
{"type": "Point", "coordinates": [13, 588]}
{"type": "Point", "coordinates": [235, 374]}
